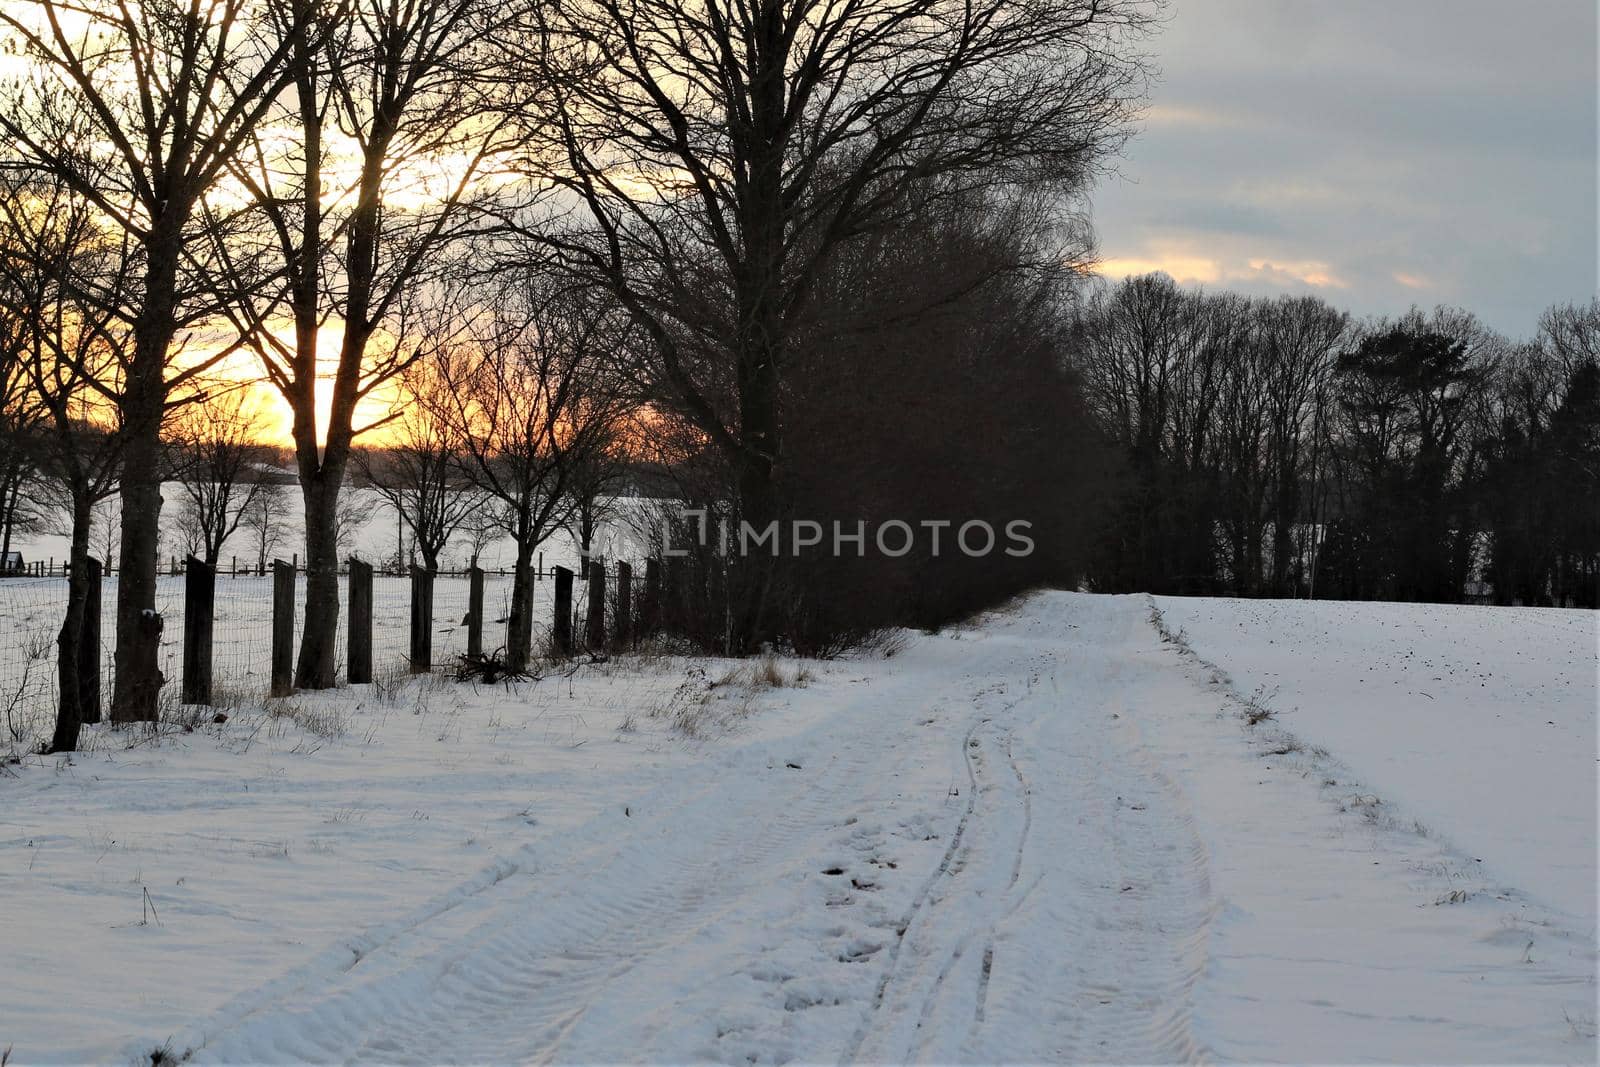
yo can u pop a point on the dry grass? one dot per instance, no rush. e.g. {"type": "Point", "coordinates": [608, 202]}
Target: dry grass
{"type": "Point", "coordinates": [317, 719]}
{"type": "Point", "coordinates": [886, 643]}
{"type": "Point", "coordinates": [1256, 708]}
{"type": "Point", "coordinates": [765, 672]}
{"type": "Point", "coordinates": [700, 708]}
{"type": "Point", "coordinates": [388, 680]}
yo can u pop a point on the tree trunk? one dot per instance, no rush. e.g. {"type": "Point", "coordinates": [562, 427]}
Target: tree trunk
{"type": "Point", "coordinates": [137, 687]}
{"type": "Point", "coordinates": [758, 505]}
{"type": "Point", "coordinates": [69, 642]}
{"type": "Point", "coordinates": [9, 497]}
{"type": "Point", "coordinates": [519, 627]}
{"type": "Point", "coordinates": [761, 328]}
{"type": "Point", "coordinates": [1282, 554]}
{"type": "Point", "coordinates": [138, 682]}
{"type": "Point", "coordinates": [315, 668]}
{"type": "Point", "coordinates": [585, 539]}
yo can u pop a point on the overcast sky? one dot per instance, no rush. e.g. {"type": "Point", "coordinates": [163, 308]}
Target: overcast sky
{"type": "Point", "coordinates": [1378, 152]}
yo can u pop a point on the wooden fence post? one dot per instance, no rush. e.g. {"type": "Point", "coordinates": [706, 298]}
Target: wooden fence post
{"type": "Point", "coordinates": [199, 611]}
{"type": "Point", "coordinates": [359, 630]}
{"type": "Point", "coordinates": [282, 628]}
{"type": "Point", "coordinates": [519, 624]}
{"type": "Point", "coordinates": [674, 594]}
{"type": "Point", "coordinates": [475, 610]}
{"type": "Point", "coordinates": [622, 625]}
{"type": "Point", "coordinates": [561, 625]}
{"type": "Point", "coordinates": [650, 610]}
{"type": "Point", "coordinates": [595, 630]}
{"type": "Point", "coordinates": [421, 620]}
{"type": "Point", "coordinates": [89, 649]}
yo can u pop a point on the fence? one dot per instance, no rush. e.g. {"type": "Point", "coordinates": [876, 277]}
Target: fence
{"type": "Point", "coordinates": [221, 627]}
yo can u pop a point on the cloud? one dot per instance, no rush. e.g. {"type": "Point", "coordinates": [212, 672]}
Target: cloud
{"type": "Point", "coordinates": [1311, 272]}
{"type": "Point", "coordinates": [1256, 274]}
{"type": "Point", "coordinates": [1188, 270]}
{"type": "Point", "coordinates": [1378, 152]}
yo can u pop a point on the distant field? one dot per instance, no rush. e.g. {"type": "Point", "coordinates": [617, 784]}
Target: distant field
{"type": "Point", "coordinates": [1479, 721]}
{"type": "Point", "coordinates": [30, 615]}
{"type": "Point", "coordinates": [31, 608]}
{"type": "Point", "coordinates": [375, 538]}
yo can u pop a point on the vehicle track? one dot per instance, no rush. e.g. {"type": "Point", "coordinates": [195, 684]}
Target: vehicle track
{"type": "Point", "coordinates": [564, 929]}
{"type": "Point", "coordinates": [1063, 919]}
{"type": "Point", "coordinates": [1011, 954]}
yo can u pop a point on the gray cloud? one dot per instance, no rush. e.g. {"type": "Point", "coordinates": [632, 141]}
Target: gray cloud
{"type": "Point", "coordinates": [1381, 153]}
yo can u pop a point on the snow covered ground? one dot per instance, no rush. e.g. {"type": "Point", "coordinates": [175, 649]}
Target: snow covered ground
{"type": "Point", "coordinates": [31, 608]}
{"type": "Point", "coordinates": [1477, 721]}
{"type": "Point", "coordinates": [375, 533]}
{"type": "Point", "coordinates": [1050, 836]}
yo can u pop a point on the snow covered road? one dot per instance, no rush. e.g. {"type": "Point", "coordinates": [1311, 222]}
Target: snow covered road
{"type": "Point", "coordinates": [1044, 837]}
{"type": "Point", "coordinates": [977, 857]}
{"type": "Point", "coordinates": [944, 868]}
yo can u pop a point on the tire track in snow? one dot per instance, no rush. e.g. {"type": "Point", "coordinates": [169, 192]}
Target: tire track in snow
{"type": "Point", "coordinates": [1127, 916]}
{"type": "Point", "coordinates": [539, 962]}
{"type": "Point", "coordinates": [1016, 876]}
{"type": "Point", "coordinates": [935, 1025]}
{"type": "Point", "coordinates": [1085, 946]}
{"type": "Point", "coordinates": [1064, 920]}
{"type": "Point", "coordinates": [912, 985]}
{"type": "Point", "coordinates": [919, 902]}
{"type": "Point", "coordinates": [518, 984]}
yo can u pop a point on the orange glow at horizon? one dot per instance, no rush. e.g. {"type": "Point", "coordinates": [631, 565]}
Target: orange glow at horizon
{"type": "Point", "coordinates": [272, 418]}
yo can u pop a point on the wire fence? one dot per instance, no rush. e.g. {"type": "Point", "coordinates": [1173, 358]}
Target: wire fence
{"type": "Point", "coordinates": [32, 609]}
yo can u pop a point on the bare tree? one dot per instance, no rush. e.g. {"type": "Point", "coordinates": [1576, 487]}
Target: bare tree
{"type": "Point", "coordinates": [1153, 364]}
{"type": "Point", "coordinates": [1302, 337]}
{"type": "Point", "coordinates": [212, 452]}
{"type": "Point", "coordinates": [531, 402]}
{"type": "Point", "coordinates": [138, 109]}
{"type": "Point", "coordinates": [106, 531]}
{"type": "Point", "coordinates": [418, 470]}
{"type": "Point", "coordinates": [1220, 403]}
{"type": "Point", "coordinates": [483, 527]}
{"type": "Point", "coordinates": [720, 153]}
{"type": "Point", "coordinates": [263, 519]}
{"type": "Point", "coordinates": [349, 520]}
{"type": "Point", "coordinates": [1572, 333]}
{"type": "Point", "coordinates": [597, 477]}
{"type": "Point", "coordinates": [406, 99]}
{"type": "Point", "coordinates": [1238, 425]}
{"type": "Point", "coordinates": [21, 416]}
{"type": "Point", "coordinates": [69, 353]}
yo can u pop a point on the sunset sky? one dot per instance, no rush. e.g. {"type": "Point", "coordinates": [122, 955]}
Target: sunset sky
{"type": "Point", "coordinates": [1378, 152]}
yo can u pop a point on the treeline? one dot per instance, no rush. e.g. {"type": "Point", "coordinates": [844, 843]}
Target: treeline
{"type": "Point", "coordinates": [544, 233]}
{"type": "Point", "coordinates": [1281, 448]}
{"type": "Point", "coordinates": [934, 390]}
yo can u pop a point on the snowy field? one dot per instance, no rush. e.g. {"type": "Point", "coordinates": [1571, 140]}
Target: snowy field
{"type": "Point", "coordinates": [1477, 721]}
{"type": "Point", "coordinates": [1050, 836]}
{"type": "Point", "coordinates": [31, 610]}
{"type": "Point", "coordinates": [374, 533]}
